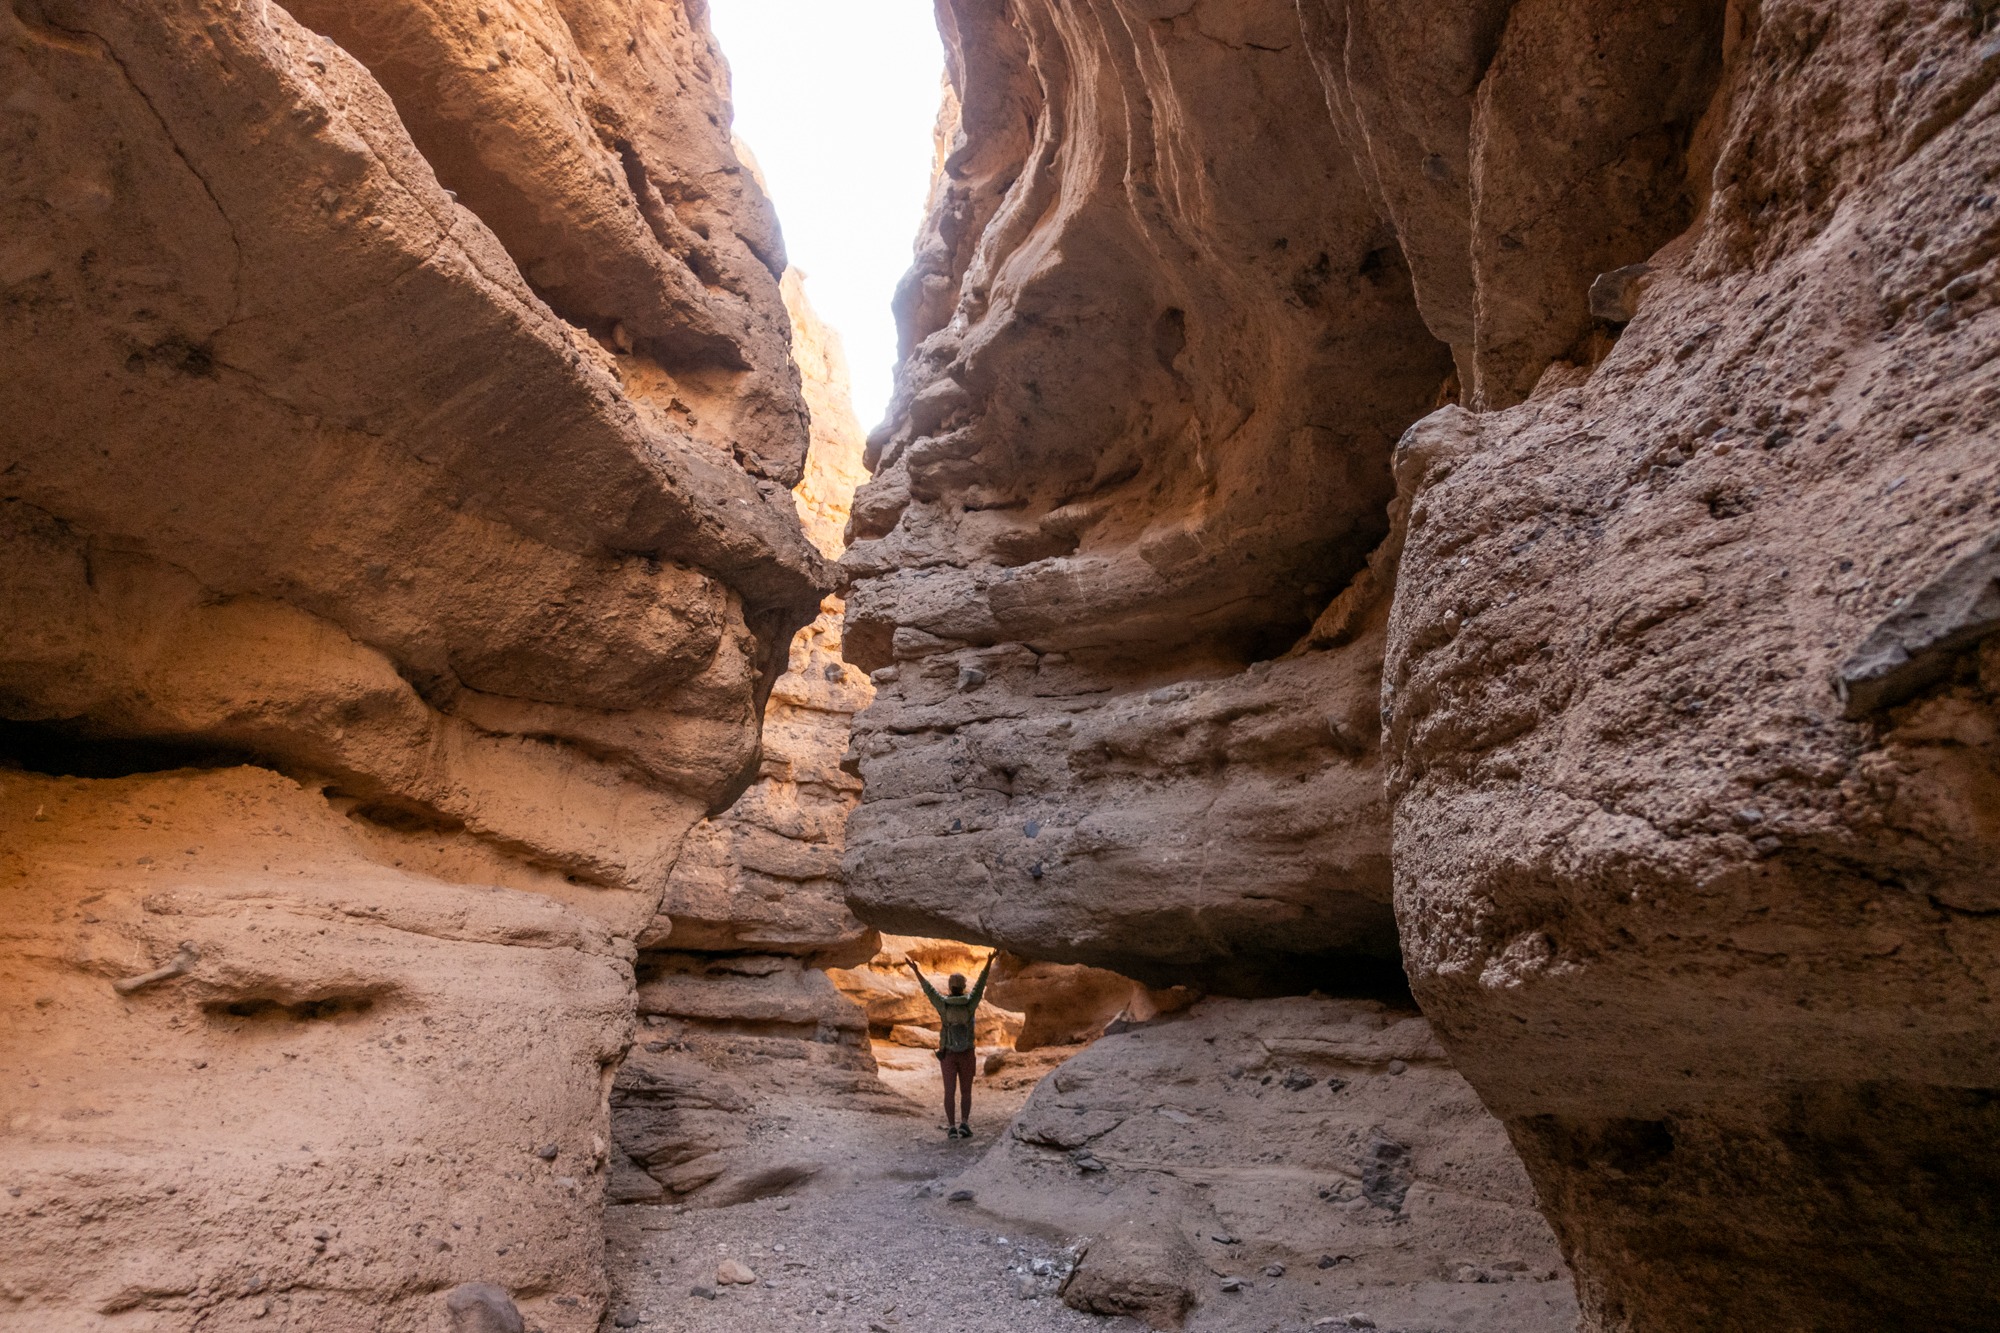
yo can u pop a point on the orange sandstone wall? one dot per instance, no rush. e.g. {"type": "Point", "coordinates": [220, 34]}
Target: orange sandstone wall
{"type": "Point", "coordinates": [397, 560]}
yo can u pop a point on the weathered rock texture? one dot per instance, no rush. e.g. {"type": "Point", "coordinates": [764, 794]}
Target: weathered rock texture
{"type": "Point", "coordinates": [764, 875]}
{"type": "Point", "coordinates": [397, 556]}
{"type": "Point", "coordinates": [1691, 725]}
{"type": "Point", "coordinates": [1328, 1138]}
{"type": "Point", "coordinates": [1028, 1005]}
{"type": "Point", "coordinates": [1721, 949]}
{"type": "Point", "coordinates": [1062, 1004]}
{"type": "Point", "coordinates": [1160, 345]}
{"type": "Point", "coordinates": [755, 906]}
{"type": "Point", "coordinates": [714, 1027]}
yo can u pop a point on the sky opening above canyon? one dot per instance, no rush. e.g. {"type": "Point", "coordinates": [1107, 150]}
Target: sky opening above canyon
{"type": "Point", "coordinates": [837, 102]}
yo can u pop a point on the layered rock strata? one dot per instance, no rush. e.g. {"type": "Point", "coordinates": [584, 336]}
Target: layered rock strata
{"type": "Point", "coordinates": [1688, 714]}
{"type": "Point", "coordinates": [754, 909]}
{"type": "Point", "coordinates": [714, 1030]}
{"type": "Point", "coordinates": [896, 1008]}
{"type": "Point", "coordinates": [397, 559]}
{"type": "Point", "coordinates": [1028, 1005]}
{"type": "Point", "coordinates": [1159, 344]}
{"type": "Point", "coordinates": [764, 875]}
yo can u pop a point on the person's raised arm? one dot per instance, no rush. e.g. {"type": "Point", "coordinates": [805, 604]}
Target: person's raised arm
{"type": "Point", "coordinates": [979, 987]}
{"type": "Point", "coordinates": [924, 981]}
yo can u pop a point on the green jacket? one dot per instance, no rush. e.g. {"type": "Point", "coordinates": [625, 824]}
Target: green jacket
{"type": "Point", "coordinates": [955, 1012]}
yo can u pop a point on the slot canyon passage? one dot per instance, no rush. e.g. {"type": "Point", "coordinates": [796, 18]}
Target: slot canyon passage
{"type": "Point", "coordinates": [1429, 585]}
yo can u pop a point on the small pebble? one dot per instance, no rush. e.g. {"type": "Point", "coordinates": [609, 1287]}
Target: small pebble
{"type": "Point", "coordinates": [1397, 1066]}
{"type": "Point", "coordinates": [706, 1293]}
{"type": "Point", "coordinates": [1274, 1270]}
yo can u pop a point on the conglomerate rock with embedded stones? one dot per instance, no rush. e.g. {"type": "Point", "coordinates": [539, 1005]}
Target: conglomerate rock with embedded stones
{"type": "Point", "coordinates": [395, 557]}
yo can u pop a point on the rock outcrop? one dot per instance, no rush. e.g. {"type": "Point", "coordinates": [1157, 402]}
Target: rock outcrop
{"type": "Point", "coordinates": [1063, 1004]}
{"type": "Point", "coordinates": [764, 876]}
{"type": "Point", "coordinates": [1275, 1158]}
{"type": "Point", "coordinates": [1682, 315]}
{"type": "Point", "coordinates": [896, 1008]}
{"type": "Point", "coordinates": [1490, 502]}
{"type": "Point", "coordinates": [1692, 729]}
{"type": "Point", "coordinates": [754, 909]}
{"type": "Point", "coordinates": [1156, 364]}
{"type": "Point", "coordinates": [397, 557]}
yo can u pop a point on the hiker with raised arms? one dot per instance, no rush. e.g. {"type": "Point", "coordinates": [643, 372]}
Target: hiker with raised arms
{"type": "Point", "coordinates": [955, 1041]}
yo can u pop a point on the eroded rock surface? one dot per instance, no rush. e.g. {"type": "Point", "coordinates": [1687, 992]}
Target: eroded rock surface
{"type": "Point", "coordinates": [1722, 956]}
{"type": "Point", "coordinates": [397, 557]}
{"type": "Point", "coordinates": [1065, 1003]}
{"type": "Point", "coordinates": [1321, 1153]}
{"type": "Point", "coordinates": [764, 875]}
{"type": "Point", "coordinates": [1682, 314]}
{"type": "Point", "coordinates": [896, 1007]}
{"type": "Point", "coordinates": [1156, 364]}
{"type": "Point", "coordinates": [754, 910]}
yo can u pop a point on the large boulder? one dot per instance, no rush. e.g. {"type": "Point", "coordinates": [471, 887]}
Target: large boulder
{"type": "Point", "coordinates": [1321, 1153]}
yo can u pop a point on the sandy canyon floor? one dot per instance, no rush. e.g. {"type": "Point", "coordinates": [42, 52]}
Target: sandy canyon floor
{"type": "Point", "coordinates": [875, 1242]}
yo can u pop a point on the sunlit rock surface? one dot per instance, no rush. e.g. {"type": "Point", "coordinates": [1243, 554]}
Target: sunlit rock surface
{"type": "Point", "coordinates": [399, 418]}
{"type": "Point", "coordinates": [896, 1007]}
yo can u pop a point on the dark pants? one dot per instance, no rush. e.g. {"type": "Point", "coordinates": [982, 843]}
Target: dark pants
{"type": "Point", "coordinates": [957, 1067]}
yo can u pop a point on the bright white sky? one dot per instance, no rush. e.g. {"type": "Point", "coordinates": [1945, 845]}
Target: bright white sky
{"type": "Point", "coordinates": [837, 99]}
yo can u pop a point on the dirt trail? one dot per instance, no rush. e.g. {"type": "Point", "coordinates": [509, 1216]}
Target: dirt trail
{"type": "Point", "coordinates": [873, 1241]}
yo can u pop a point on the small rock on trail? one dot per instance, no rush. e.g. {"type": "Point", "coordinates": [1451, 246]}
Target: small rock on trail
{"type": "Point", "coordinates": [481, 1307]}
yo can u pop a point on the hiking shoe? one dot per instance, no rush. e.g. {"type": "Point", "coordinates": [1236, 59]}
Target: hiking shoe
{"type": "Point", "coordinates": [965, 1131]}
{"type": "Point", "coordinates": [951, 1131]}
